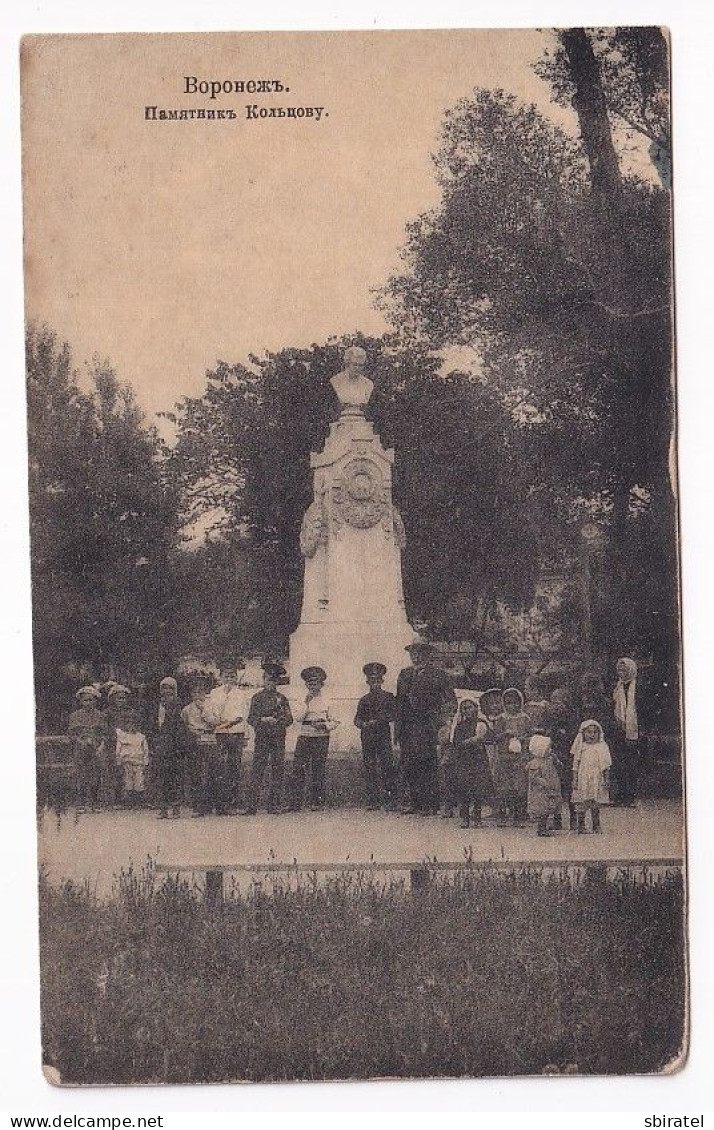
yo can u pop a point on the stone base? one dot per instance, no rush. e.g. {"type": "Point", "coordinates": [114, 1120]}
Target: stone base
{"type": "Point", "coordinates": [342, 650]}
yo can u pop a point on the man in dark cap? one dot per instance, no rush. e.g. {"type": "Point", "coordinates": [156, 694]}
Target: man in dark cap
{"type": "Point", "coordinates": [269, 715]}
{"type": "Point", "coordinates": [375, 712]}
{"type": "Point", "coordinates": [426, 704]}
{"type": "Point", "coordinates": [313, 744]}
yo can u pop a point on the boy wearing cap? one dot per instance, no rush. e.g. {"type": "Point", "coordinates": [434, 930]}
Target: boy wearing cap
{"type": "Point", "coordinates": [375, 713]}
{"type": "Point", "coordinates": [120, 716]}
{"type": "Point", "coordinates": [88, 734]}
{"type": "Point", "coordinates": [313, 744]}
{"type": "Point", "coordinates": [269, 715]}
{"type": "Point", "coordinates": [226, 709]}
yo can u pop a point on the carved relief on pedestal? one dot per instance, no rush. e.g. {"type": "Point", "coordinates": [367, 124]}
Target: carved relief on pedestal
{"type": "Point", "coordinates": [313, 531]}
{"type": "Point", "coordinates": [359, 496]}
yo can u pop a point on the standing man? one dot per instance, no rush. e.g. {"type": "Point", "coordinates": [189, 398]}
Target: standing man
{"type": "Point", "coordinates": [202, 745]}
{"type": "Point", "coordinates": [426, 705]}
{"type": "Point", "coordinates": [270, 716]}
{"type": "Point", "coordinates": [226, 710]}
{"type": "Point", "coordinates": [169, 750]}
{"type": "Point", "coordinates": [375, 713]}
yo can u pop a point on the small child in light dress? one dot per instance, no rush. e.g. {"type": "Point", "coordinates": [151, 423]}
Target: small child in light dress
{"type": "Point", "coordinates": [132, 755]}
{"type": "Point", "coordinates": [591, 773]}
{"type": "Point", "coordinates": [544, 796]}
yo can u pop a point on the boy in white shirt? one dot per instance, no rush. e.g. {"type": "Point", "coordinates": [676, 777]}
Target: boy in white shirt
{"type": "Point", "coordinates": [226, 710]}
{"type": "Point", "coordinates": [313, 744]}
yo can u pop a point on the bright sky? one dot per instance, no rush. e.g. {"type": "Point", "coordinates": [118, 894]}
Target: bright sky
{"type": "Point", "coordinates": [165, 246]}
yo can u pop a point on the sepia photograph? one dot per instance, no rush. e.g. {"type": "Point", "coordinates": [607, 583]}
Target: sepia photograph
{"type": "Point", "coordinates": [353, 500]}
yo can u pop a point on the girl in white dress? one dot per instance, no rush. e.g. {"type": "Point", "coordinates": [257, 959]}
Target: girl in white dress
{"type": "Point", "coordinates": [591, 773]}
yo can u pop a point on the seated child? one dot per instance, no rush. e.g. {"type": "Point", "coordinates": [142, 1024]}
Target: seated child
{"type": "Point", "coordinates": [473, 784]}
{"type": "Point", "coordinates": [591, 773]}
{"type": "Point", "coordinates": [544, 796]}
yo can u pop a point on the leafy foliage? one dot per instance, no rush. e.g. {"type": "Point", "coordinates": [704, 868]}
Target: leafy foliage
{"type": "Point", "coordinates": [634, 67]}
{"type": "Point", "coordinates": [102, 521]}
{"type": "Point", "coordinates": [242, 461]}
{"type": "Point", "coordinates": [568, 303]}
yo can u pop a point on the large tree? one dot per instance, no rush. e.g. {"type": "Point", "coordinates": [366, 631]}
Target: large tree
{"type": "Point", "coordinates": [633, 75]}
{"type": "Point", "coordinates": [568, 302]}
{"type": "Point", "coordinates": [241, 463]}
{"type": "Point", "coordinates": [102, 520]}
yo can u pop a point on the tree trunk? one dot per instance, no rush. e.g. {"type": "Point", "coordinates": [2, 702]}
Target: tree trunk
{"type": "Point", "coordinates": [591, 108]}
{"type": "Point", "coordinates": [589, 103]}
{"type": "Point", "coordinates": [614, 238]}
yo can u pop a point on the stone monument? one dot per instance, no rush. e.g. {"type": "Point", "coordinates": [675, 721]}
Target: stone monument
{"type": "Point", "coordinates": [352, 539]}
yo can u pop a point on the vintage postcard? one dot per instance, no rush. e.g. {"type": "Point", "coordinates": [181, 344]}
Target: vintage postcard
{"type": "Point", "coordinates": [352, 469]}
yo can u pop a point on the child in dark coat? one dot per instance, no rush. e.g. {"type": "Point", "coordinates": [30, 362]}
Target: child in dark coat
{"type": "Point", "coordinates": [473, 783]}
{"type": "Point", "coordinates": [512, 731]}
{"type": "Point", "coordinates": [565, 726]}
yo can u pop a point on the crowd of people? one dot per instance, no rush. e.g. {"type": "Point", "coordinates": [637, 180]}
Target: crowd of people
{"type": "Point", "coordinates": [426, 749]}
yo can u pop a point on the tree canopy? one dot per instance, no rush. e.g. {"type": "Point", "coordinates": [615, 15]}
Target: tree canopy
{"type": "Point", "coordinates": [102, 520]}
{"type": "Point", "coordinates": [549, 255]}
{"type": "Point", "coordinates": [241, 461]}
{"type": "Point", "coordinates": [564, 292]}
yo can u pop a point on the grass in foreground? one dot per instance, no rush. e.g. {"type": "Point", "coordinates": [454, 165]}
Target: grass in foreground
{"type": "Point", "coordinates": [476, 976]}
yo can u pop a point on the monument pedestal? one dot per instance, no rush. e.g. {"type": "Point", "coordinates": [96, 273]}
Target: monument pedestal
{"type": "Point", "coordinates": [353, 600]}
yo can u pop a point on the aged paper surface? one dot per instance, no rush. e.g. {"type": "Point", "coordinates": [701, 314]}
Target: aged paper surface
{"type": "Point", "coordinates": [354, 553]}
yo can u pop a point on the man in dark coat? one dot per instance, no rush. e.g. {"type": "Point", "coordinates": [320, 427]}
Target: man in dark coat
{"type": "Point", "coordinates": [375, 713]}
{"type": "Point", "coordinates": [426, 704]}
{"type": "Point", "coordinates": [270, 716]}
{"type": "Point", "coordinates": [169, 748]}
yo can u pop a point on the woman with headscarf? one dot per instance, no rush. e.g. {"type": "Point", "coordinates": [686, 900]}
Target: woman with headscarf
{"type": "Point", "coordinates": [511, 732]}
{"type": "Point", "coordinates": [169, 749]}
{"type": "Point", "coordinates": [591, 772]}
{"type": "Point", "coordinates": [626, 733]}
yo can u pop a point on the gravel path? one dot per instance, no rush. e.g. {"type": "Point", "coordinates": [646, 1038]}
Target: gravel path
{"type": "Point", "coordinates": [95, 847]}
